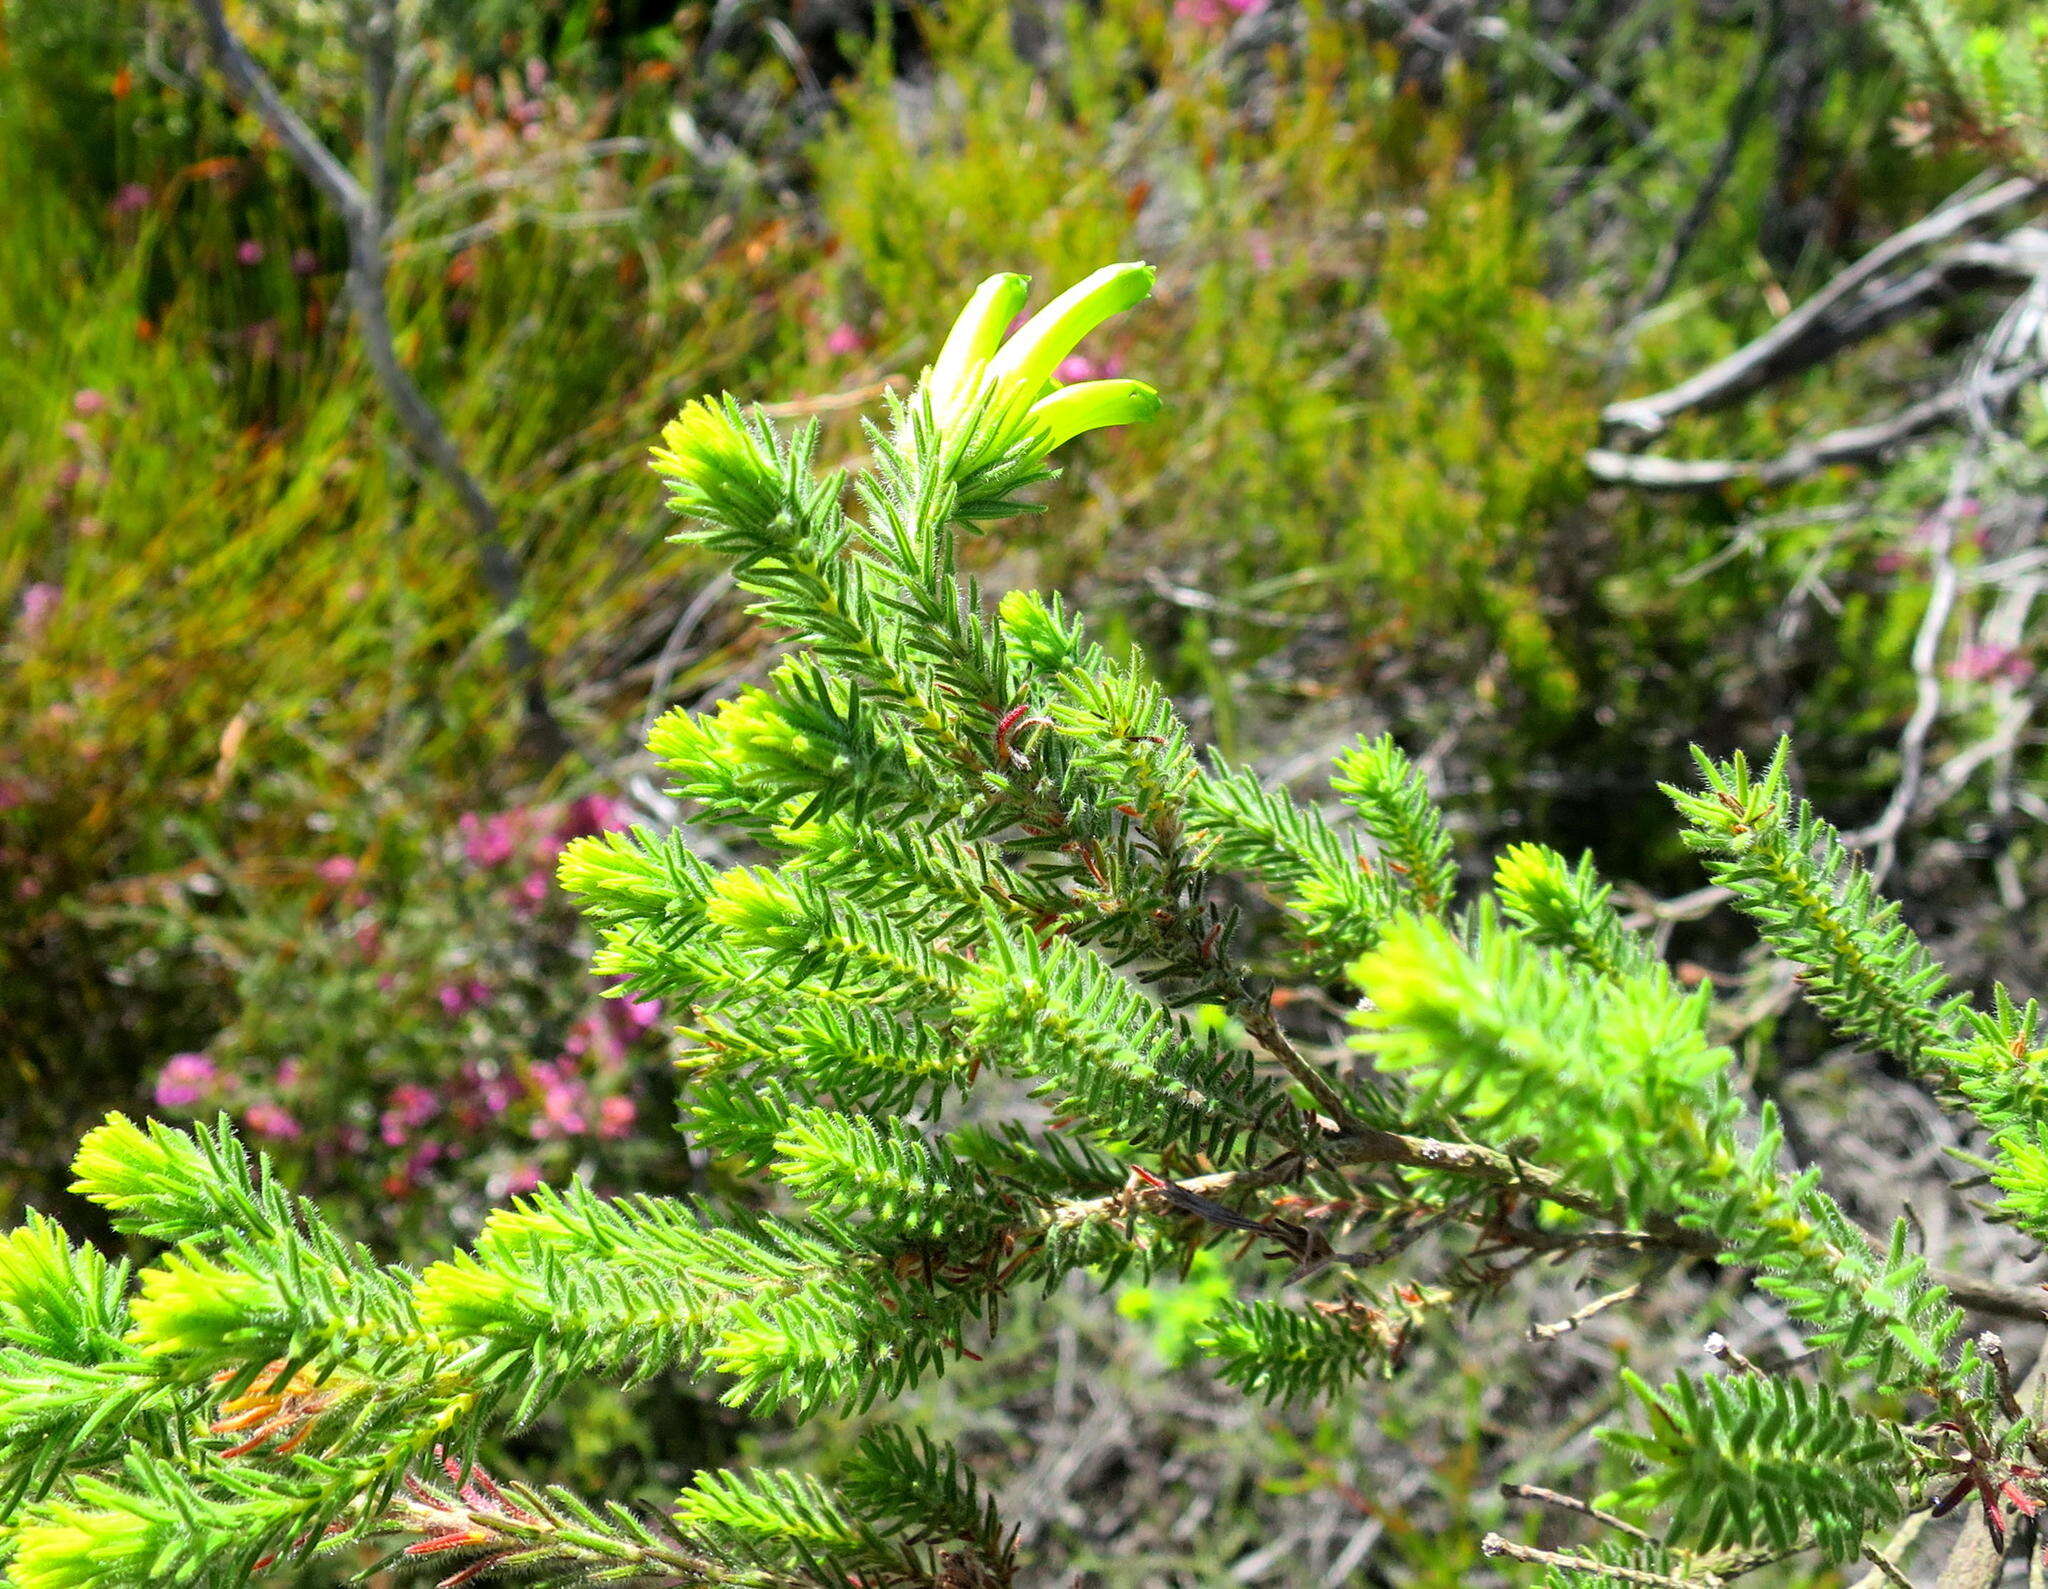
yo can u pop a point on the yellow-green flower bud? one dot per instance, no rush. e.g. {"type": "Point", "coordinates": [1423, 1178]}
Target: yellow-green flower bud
{"type": "Point", "coordinates": [1026, 362]}
{"type": "Point", "coordinates": [973, 341]}
{"type": "Point", "coordinates": [1092, 405]}
{"type": "Point", "coordinates": [1006, 390]}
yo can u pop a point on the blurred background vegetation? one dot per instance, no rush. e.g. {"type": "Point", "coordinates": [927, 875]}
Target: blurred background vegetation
{"type": "Point", "coordinates": [271, 840]}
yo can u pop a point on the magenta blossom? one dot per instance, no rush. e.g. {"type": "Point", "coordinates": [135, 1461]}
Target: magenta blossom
{"type": "Point", "coordinates": [184, 1081]}
{"type": "Point", "coordinates": [132, 197]}
{"type": "Point", "coordinates": [486, 841]}
{"type": "Point", "coordinates": [842, 341]}
{"type": "Point", "coordinates": [88, 400]}
{"type": "Point", "coordinates": [562, 1097]}
{"type": "Point", "coordinates": [615, 1117]}
{"type": "Point", "coordinates": [1080, 367]}
{"type": "Point", "coordinates": [1980, 662]}
{"type": "Point", "coordinates": [272, 1120]}
{"type": "Point", "coordinates": [588, 814]}
{"type": "Point", "coordinates": [338, 870]}
{"type": "Point", "coordinates": [248, 252]}
{"type": "Point", "coordinates": [38, 601]}
{"type": "Point", "coordinates": [412, 1106]}
{"type": "Point", "coordinates": [627, 1019]}
{"type": "Point", "coordinates": [456, 997]}
{"type": "Point", "coordinates": [521, 1178]}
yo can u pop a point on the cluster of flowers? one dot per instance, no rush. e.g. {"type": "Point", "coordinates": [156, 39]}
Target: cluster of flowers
{"type": "Point", "coordinates": [419, 1068]}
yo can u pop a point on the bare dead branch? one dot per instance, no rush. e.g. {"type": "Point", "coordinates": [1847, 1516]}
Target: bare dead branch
{"type": "Point", "coordinates": [1784, 346]}
{"type": "Point", "coordinates": [1855, 444]}
{"type": "Point", "coordinates": [363, 221]}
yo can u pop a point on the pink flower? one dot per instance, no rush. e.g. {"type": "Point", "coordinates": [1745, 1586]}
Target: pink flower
{"type": "Point", "coordinates": [498, 1094]}
{"type": "Point", "coordinates": [521, 1178]}
{"type": "Point", "coordinates": [615, 1117]}
{"type": "Point", "coordinates": [337, 870]}
{"type": "Point", "coordinates": [486, 842]}
{"type": "Point", "coordinates": [562, 1097]}
{"type": "Point", "coordinates": [248, 252]}
{"type": "Point", "coordinates": [272, 1120]}
{"type": "Point", "coordinates": [1978, 662]}
{"type": "Point", "coordinates": [842, 340]}
{"type": "Point", "coordinates": [415, 1104]}
{"type": "Point", "coordinates": [289, 1074]}
{"type": "Point", "coordinates": [304, 262]}
{"type": "Point", "coordinates": [370, 942]}
{"type": "Point", "coordinates": [588, 814]}
{"type": "Point", "coordinates": [88, 400]}
{"type": "Point", "coordinates": [132, 197]}
{"type": "Point", "coordinates": [1080, 367]}
{"type": "Point", "coordinates": [628, 1017]}
{"type": "Point", "coordinates": [38, 601]}
{"type": "Point", "coordinates": [533, 888]}
{"type": "Point", "coordinates": [184, 1081]}
{"type": "Point", "coordinates": [455, 997]}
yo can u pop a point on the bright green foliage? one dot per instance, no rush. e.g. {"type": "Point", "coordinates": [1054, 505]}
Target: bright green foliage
{"type": "Point", "coordinates": [1747, 1462]}
{"type": "Point", "coordinates": [1875, 1309]}
{"type": "Point", "coordinates": [1614, 1081]}
{"type": "Point", "coordinates": [896, 1498]}
{"type": "Point", "coordinates": [977, 858]}
{"type": "Point", "coordinates": [1377, 780]}
{"type": "Point", "coordinates": [1280, 1353]}
{"type": "Point", "coordinates": [1865, 969]}
{"type": "Point", "coordinates": [1108, 1054]}
{"type": "Point", "coordinates": [1340, 901]}
{"type": "Point", "coordinates": [1816, 905]}
{"type": "Point", "coordinates": [904, 1185]}
{"type": "Point", "coordinates": [1566, 908]}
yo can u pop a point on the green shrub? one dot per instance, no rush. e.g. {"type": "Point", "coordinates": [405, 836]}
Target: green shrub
{"type": "Point", "coordinates": [996, 868]}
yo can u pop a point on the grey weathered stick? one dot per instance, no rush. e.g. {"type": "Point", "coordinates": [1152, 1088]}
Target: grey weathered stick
{"type": "Point", "coordinates": [1855, 444]}
{"type": "Point", "coordinates": [363, 221]}
{"type": "Point", "coordinates": [1759, 361]}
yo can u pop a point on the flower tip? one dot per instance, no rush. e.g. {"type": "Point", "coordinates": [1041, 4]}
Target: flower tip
{"type": "Point", "coordinates": [1027, 361]}
{"type": "Point", "coordinates": [1092, 405]}
{"type": "Point", "coordinates": [975, 336]}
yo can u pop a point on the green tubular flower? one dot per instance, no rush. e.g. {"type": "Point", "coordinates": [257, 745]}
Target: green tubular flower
{"type": "Point", "coordinates": [1006, 389]}
{"type": "Point", "coordinates": [972, 343]}
{"type": "Point", "coordinates": [1090, 406]}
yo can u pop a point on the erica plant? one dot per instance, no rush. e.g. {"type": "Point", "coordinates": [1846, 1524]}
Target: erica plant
{"type": "Point", "coordinates": [981, 1015]}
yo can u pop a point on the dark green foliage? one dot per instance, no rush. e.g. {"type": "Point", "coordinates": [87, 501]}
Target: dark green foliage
{"type": "Point", "coordinates": [1749, 1462]}
{"type": "Point", "coordinates": [1816, 905]}
{"type": "Point", "coordinates": [1377, 780]}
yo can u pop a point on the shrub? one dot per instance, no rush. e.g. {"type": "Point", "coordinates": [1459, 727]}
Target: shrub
{"type": "Point", "coordinates": [988, 855]}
